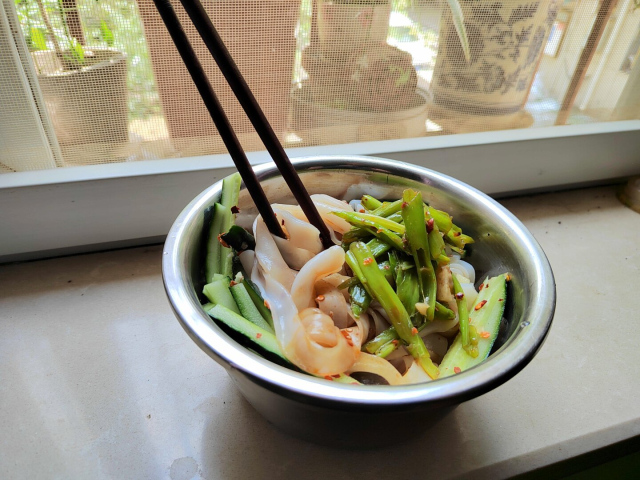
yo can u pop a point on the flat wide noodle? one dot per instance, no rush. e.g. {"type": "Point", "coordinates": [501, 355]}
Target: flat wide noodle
{"type": "Point", "coordinates": [325, 263]}
{"type": "Point", "coordinates": [379, 366]}
{"type": "Point", "coordinates": [269, 257]}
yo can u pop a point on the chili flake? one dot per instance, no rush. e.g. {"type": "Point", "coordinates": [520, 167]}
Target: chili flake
{"type": "Point", "coordinates": [235, 209]}
{"type": "Point", "coordinates": [379, 230]}
{"type": "Point", "coordinates": [405, 204]}
{"type": "Point", "coordinates": [456, 369]}
{"type": "Point", "coordinates": [480, 305]}
{"type": "Point", "coordinates": [395, 342]}
{"type": "Point", "coordinates": [328, 377]}
{"type": "Point", "coordinates": [459, 295]}
{"type": "Point", "coordinates": [266, 304]}
{"type": "Point", "coordinates": [346, 335]}
{"type": "Point", "coordinates": [258, 335]}
{"type": "Point", "coordinates": [508, 277]}
{"type": "Point", "coordinates": [361, 210]}
{"type": "Point", "coordinates": [232, 283]}
{"type": "Point", "coordinates": [320, 298]}
{"type": "Point", "coordinates": [501, 299]}
{"type": "Point", "coordinates": [367, 261]}
{"type": "Point", "coordinates": [481, 287]}
{"type": "Point", "coordinates": [430, 223]}
{"type": "Point", "coordinates": [485, 334]}
{"type": "Point", "coordinates": [457, 234]}
{"type": "Point", "coordinates": [414, 331]}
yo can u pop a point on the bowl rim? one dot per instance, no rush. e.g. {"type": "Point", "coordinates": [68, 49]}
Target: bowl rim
{"type": "Point", "coordinates": [497, 369]}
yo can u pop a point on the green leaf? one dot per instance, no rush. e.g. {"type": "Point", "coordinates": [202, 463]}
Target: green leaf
{"type": "Point", "coordinates": [404, 78]}
{"type": "Point", "coordinates": [107, 34]}
{"type": "Point", "coordinates": [458, 22]}
{"type": "Point", "coordinates": [77, 51]}
{"type": "Point", "coordinates": [38, 40]}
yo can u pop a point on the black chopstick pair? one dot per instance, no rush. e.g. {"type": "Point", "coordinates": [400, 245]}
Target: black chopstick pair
{"type": "Point", "coordinates": [241, 90]}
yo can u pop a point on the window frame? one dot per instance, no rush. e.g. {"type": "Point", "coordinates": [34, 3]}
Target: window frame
{"type": "Point", "coordinates": [78, 209]}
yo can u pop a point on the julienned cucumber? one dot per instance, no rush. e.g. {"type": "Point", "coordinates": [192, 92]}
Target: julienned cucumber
{"type": "Point", "coordinates": [249, 335]}
{"type": "Point", "coordinates": [486, 317]}
{"type": "Point", "coordinates": [213, 245]}
{"type": "Point", "coordinates": [218, 293]}
{"type": "Point", "coordinates": [258, 301]}
{"type": "Point", "coordinates": [230, 194]}
{"type": "Point", "coordinates": [247, 308]}
{"type": "Point", "coordinates": [219, 259]}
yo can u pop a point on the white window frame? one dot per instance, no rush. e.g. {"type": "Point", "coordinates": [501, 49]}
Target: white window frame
{"type": "Point", "coordinates": [89, 208]}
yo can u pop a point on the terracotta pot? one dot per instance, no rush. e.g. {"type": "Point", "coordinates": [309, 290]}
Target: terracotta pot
{"type": "Point", "coordinates": [260, 34]}
{"type": "Point", "coordinates": [507, 39]}
{"type": "Point", "coordinates": [343, 26]}
{"type": "Point", "coordinates": [88, 105]}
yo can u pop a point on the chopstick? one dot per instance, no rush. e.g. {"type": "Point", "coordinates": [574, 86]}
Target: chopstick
{"type": "Point", "coordinates": [179, 37]}
{"type": "Point", "coordinates": [243, 93]}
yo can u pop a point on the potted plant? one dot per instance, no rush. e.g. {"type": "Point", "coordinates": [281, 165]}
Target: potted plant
{"type": "Point", "coordinates": [345, 25]}
{"type": "Point", "coordinates": [487, 58]}
{"type": "Point", "coordinates": [84, 88]}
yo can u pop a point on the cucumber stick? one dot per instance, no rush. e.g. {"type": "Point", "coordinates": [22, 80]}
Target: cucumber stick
{"type": "Point", "coordinates": [218, 293]}
{"type": "Point", "coordinates": [486, 318]}
{"type": "Point", "coordinates": [219, 259]}
{"type": "Point", "coordinates": [249, 335]}
{"type": "Point", "coordinates": [230, 193]}
{"type": "Point", "coordinates": [258, 301]}
{"type": "Point", "coordinates": [247, 308]}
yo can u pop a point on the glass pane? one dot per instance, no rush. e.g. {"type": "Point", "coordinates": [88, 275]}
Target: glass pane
{"type": "Point", "coordinates": [109, 85]}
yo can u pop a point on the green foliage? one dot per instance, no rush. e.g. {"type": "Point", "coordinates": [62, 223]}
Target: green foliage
{"type": "Point", "coordinates": [37, 40]}
{"type": "Point", "coordinates": [107, 34]}
{"type": "Point", "coordinates": [105, 23]}
{"type": "Point", "coordinates": [77, 52]}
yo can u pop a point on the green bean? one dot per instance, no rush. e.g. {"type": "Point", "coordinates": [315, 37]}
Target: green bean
{"type": "Point", "coordinates": [369, 220]}
{"type": "Point", "coordinates": [416, 235]}
{"type": "Point", "coordinates": [387, 349]}
{"type": "Point", "coordinates": [370, 203]}
{"type": "Point", "coordinates": [436, 243]}
{"type": "Point", "coordinates": [374, 229]}
{"type": "Point", "coordinates": [463, 318]}
{"type": "Point", "coordinates": [396, 217]}
{"type": "Point", "coordinates": [443, 313]}
{"type": "Point", "coordinates": [443, 219]}
{"type": "Point", "coordinates": [457, 238]}
{"type": "Point", "coordinates": [378, 247]}
{"type": "Point", "coordinates": [388, 208]}
{"type": "Point", "coordinates": [360, 299]}
{"type": "Point", "coordinates": [407, 285]}
{"type": "Point", "coordinates": [387, 236]}
{"type": "Point", "coordinates": [376, 343]}
{"type": "Point", "coordinates": [356, 233]}
{"type": "Point", "coordinates": [379, 288]}
{"type": "Point", "coordinates": [349, 283]}
{"type": "Point", "coordinates": [385, 268]}
{"type": "Point", "coordinates": [373, 345]}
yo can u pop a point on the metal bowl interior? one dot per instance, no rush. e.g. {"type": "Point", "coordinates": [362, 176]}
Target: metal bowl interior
{"type": "Point", "coordinates": [503, 244]}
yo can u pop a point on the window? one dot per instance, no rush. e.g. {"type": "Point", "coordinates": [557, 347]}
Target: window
{"type": "Point", "coordinates": [98, 86]}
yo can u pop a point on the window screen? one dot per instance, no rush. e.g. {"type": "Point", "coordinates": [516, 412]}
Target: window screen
{"type": "Point", "coordinates": [98, 81]}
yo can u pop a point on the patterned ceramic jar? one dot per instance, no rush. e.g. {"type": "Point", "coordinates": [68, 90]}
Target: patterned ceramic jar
{"type": "Point", "coordinates": [506, 39]}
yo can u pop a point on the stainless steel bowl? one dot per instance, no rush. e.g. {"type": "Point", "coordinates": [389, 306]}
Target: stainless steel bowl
{"type": "Point", "coordinates": [348, 415]}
